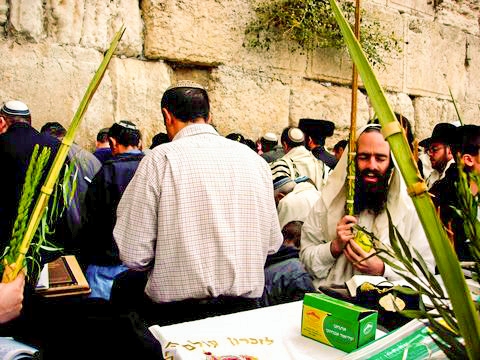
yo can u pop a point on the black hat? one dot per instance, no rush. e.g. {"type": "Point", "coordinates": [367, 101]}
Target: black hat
{"type": "Point", "coordinates": [468, 139]}
{"type": "Point", "coordinates": [443, 133]}
{"type": "Point", "coordinates": [316, 129]}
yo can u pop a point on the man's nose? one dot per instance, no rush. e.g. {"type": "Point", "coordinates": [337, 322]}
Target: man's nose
{"type": "Point", "coordinates": [372, 164]}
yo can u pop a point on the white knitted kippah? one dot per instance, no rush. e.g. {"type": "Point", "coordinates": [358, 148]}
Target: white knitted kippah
{"type": "Point", "coordinates": [270, 137]}
{"type": "Point", "coordinates": [296, 135]}
{"type": "Point", "coordinates": [15, 107]}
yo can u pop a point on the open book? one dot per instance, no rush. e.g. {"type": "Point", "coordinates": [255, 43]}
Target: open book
{"type": "Point", "coordinates": [11, 349]}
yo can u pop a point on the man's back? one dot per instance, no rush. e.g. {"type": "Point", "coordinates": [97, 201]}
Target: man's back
{"type": "Point", "coordinates": [300, 162]}
{"type": "Point", "coordinates": [209, 217]}
{"type": "Point", "coordinates": [101, 201]}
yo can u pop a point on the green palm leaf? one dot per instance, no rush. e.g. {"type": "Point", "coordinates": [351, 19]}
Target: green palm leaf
{"type": "Point", "coordinates": [446, 259]}
{"type": "Point", "coordinates": [12, 268]}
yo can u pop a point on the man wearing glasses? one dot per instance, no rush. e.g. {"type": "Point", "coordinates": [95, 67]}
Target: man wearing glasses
{"type": "Point", "coordinates": [438, 149]}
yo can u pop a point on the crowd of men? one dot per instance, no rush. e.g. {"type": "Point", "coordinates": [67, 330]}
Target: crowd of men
{"type": "Point", "coordinates": [202, 225]}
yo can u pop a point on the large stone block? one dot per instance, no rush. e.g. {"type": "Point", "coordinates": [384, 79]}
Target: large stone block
{"type": "Point", "coordinates": [335, 65]}
{"type": "Point", "coordinates": [52, 80]}
{"type": "Point", "coordinates": [93, 24]}
{"type": "Point", "coordinates": [65, 20]}
{"type": "Point", "coordinates": [137, 87]}
{"type": "Point", "coordinates": [464, 15]}
{"type": "Point", "coordinates": [420, 7]}
{"type": "Point", "coordinates": [103, 19]}
{"type": "Point", "coordinates": [248, 103]}
{"type": "Point", "coordinates": [283, 58]}
{"type": "Point", "coordinates": [430, 111]}
{"type": "Point", "coordinates": [315, 100]}
{"type": "Point", "coordinates": [26, 19]}
{"type": "Point", "coordinates": [402, 104]}
{"type": "Point", "coordinates": [435, 59]}
{"type": "Point", "coordinates": [198, 32]}
{"type": "Point", "coordinates": [3, 14]}
{"type": "Point", "coordinates": [472, 61]}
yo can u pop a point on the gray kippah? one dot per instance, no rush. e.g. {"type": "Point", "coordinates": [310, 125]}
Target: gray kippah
{"type": "Point", "coordinates": [15, 108]}
{"type": "Point", "coordinates": [186, 84]}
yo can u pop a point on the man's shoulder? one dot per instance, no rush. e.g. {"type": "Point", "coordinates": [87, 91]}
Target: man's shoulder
{"type": "Point", "coordinates": [24, 138]}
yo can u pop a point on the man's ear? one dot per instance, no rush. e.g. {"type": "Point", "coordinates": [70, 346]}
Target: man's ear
{"type": "Point", "coordinates": [310, 143]}
{"type": "Point", "coordinates": [468, 160]}
{"type": "Point", "coordinates": [167, 116]}
{"type": "Point", "coordinates": [3, 125]}
{"type": "Point", "coordinates": [209, 119]}
{"type": "Point", "coordinates": [113, 142]}
{"type": "Point", "coordinates": [449, 151]}
{"type": "Point", "coordinates": [279, 196]}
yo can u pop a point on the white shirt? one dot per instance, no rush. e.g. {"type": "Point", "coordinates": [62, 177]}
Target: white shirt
{"type": "Point", "coordinates": [435, 175]}
{"type": "Point", "coordinates": [200, 212]}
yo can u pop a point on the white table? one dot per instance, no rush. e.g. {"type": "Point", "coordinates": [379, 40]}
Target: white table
{"type": "Point", "coordinates": [267, 333]}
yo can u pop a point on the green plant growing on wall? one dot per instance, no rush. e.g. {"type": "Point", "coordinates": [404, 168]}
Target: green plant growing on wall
{"type": "Point", "coordinates": [310, 25]}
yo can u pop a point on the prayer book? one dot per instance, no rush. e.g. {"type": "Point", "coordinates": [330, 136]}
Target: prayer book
{"type": "Point", "coordinates": [65, 278]}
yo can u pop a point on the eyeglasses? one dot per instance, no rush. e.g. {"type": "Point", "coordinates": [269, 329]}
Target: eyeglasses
{"type": "Point", "coordinates": [435, 149]}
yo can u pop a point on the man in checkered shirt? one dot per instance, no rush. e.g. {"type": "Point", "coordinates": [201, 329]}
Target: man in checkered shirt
{"type": "Point", "coordinates": [199, 215]}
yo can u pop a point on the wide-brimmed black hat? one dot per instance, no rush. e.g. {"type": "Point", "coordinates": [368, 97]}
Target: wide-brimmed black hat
{"type": "Point", "coordinates": [442, 133]}
{"type": "Point", "coordinates": [316, 129]}
{"type": "Point", "coordinates": [467, 139]}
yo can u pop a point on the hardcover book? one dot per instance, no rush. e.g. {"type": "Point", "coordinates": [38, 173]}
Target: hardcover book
{"type": "Point", "coordinates": [65, 277]}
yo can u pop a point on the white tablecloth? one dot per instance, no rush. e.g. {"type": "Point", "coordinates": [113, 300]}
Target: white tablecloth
{"type": "Point", "coordinates": [266, 333]}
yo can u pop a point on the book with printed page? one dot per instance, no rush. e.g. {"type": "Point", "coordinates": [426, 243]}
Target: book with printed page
{"type": "Point", "coordinates": [11, 349]}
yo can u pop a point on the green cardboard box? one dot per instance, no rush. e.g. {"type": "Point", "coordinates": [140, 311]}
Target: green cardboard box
{"type": "Point", "coordinates": [337, 323]}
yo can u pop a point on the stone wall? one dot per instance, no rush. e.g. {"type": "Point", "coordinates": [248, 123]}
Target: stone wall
{"type": "Point", "coordinates": [50, 50]}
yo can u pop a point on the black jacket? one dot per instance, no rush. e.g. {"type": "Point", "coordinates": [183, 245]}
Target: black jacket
{"type": "Point", "coordinates": [444, 197]}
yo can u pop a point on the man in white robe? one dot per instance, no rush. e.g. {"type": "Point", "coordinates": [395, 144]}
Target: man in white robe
{"type": "Point", "coordinates": [327, 247]}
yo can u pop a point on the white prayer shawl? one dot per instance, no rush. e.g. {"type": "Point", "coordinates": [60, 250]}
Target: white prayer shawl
{"type": "Point", "coordinates": [301, 162]}
{"type": "Point", "coordinates": [319, 228]}
{"type": "Point", "coordinates": [296, 205]}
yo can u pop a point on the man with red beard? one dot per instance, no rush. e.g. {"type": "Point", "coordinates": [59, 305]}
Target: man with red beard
{"type": "Point", "coordinates": [328, 249]}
